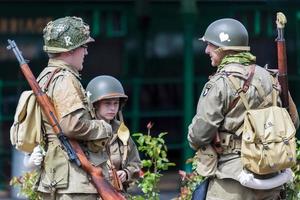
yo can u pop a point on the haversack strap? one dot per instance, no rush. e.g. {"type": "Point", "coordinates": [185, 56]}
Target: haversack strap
{"type": "Point", "coordinates": [50, 78]}
{"type": "Point", "coordinates": [245, 87]}
{"type": "Point", "coordinates": [249, 79]}
{"type": "Point", "coordinates": [239, 90]}
{"type": "Point", "coordinates": [275, 91]}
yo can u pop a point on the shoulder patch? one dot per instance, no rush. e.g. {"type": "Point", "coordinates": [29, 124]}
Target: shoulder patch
{"type": "Point", "coordinates": [206, 89]}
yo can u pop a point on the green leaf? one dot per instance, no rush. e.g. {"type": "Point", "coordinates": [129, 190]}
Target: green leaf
{"type": "Point", "coordinates": [162, 134]}
{"type": "Point", "coordinates": [146, 163]}
{"type": "Point", "coordinates": [161, 140]}
{"type": "Point", "coordinates": [137, 134]}
{"type": "Point", "coordinates": [155, 160]}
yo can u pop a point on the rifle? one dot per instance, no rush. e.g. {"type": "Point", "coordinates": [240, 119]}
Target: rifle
{"type": "Point", "coordinates": [116, 182]}
{"type": "Point", "coordinates": [282, 61]}
{"type": "Point", "coordinates": [74, 151]}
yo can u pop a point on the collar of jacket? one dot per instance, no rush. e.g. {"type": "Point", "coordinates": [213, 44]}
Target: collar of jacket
{"type": "Point", "coordinates": [59, 63]}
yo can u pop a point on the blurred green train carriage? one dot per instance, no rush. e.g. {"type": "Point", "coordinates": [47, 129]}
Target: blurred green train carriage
{"type": "Point", "coordinates": [151, 46]}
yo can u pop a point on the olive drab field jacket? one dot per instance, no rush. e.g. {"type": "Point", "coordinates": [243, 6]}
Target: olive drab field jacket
{"type": "Point", "coordinates": [75, 116]}
{"type": "Point", "coordinates": [132, 163]}
{"type": "Point", "coordinates": [220, 110]}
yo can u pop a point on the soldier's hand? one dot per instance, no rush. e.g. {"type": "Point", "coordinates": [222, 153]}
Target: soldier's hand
{"type": "Point", "coordinates": [122, 175]}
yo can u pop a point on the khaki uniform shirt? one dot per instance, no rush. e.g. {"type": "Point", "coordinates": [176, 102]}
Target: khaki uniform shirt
{"type": "Point", "coordinates": [215, 112]}
{"type": "Point", "coordinates": [75, 116]}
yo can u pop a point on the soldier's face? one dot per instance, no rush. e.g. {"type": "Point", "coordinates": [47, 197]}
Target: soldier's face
{"type": "Point", "coordinates": [78, 57]}
{"type": "Point", "coordinates": [107, 109]}
{"type": "Point", "coordinates": [215, 56]}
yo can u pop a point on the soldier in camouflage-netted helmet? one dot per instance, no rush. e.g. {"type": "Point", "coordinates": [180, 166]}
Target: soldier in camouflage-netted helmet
{"type": "Point", "coordinates": [66, 34]}
{"type": "Point", "coordinates": [105, 87]}
{"type": "Point", "coordinates": [228, 34]}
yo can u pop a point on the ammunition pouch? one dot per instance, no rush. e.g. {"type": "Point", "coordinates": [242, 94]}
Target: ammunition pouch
{"type": "Point", "coordinates": [230, 143]}
{"type": "Point", "coordinates": [207, 160]}
{"type": "Point", "coordinates": [56, 167]}
{"type": "Point", "coordinates": [96, 145]}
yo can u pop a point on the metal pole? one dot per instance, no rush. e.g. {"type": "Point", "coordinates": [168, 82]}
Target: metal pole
{"type": "Point", "coordinates": [136, 85]}
{"type": "Point", "coordinates": [142, 20]}
{"type": "Point", "coordinates": [1, 138]}
{"type": "Point", "coordinates": [189, 13]}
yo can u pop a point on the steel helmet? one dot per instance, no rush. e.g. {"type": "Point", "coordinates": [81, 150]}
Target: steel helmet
{"type": "Point", "coordinates": [105, 87]}
{"type": "Point", "coordinates": [228, 34]}
{"type": "Point", "coordinates": [66, 34]}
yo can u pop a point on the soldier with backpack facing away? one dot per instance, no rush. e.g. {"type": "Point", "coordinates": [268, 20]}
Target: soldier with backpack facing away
{"type": "Point", "coordinates": [238, 87]}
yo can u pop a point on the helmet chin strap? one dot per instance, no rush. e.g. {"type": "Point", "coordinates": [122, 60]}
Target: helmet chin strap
{"type": "Point", "coordinates": [120, 115]}
{"type": "Point", "coordinates": [219, 50]}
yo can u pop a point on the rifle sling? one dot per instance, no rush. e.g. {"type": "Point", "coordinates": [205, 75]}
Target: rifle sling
{"type": "Point", "coordinates": [50, 78]}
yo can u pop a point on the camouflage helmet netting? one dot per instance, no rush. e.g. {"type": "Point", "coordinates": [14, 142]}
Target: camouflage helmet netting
{"type": "Point", "coordinates": [65, 34]}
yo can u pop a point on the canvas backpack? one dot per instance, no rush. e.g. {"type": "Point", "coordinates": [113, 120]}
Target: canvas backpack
{"type": "Point", "coordinates": [268, 138]}
{"type": "Point", "coordinates": [26, 133]}
{"type": "Point", "coordinates": [27, 129]}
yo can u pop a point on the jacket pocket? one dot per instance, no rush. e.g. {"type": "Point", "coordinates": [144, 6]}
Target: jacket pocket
{"type": "Point", "coordinates": [56, 168]}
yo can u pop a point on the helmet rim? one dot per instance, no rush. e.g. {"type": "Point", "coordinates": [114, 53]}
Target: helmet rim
{"type": "Point", "coordinates": [105, 87]}
{"type": "Point", "coordinates": [111, 96]}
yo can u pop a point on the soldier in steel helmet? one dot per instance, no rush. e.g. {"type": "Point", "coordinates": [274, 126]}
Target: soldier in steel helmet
{"type": "Point", "coordinates": [66, 41]}
{"type": "Point", "coordinates": [220, 111]}
{"type": "Point", "coordinates": [107, 95]}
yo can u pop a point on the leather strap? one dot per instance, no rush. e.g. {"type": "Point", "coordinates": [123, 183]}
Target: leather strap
{"type": "Point", "coordinates": [240, 91]}
{"type": "Point", "coordinates": [50, 78]}
{"type": "Point", "coordinates": [249, 79]}
{"type": "Point", "coordinates": [245, 87]}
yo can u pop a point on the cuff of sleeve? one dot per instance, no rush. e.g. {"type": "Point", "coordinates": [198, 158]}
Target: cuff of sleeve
{"type": "Point", "coordinates": [107, 127]}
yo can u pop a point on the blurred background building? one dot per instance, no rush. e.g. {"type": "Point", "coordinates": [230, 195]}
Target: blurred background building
{"type": "Point", "coordinates": [151, 46]}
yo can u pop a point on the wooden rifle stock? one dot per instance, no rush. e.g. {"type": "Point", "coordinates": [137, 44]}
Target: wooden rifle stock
{"type": "Point", "coordinates": [282, 60]}
{"type": "Point", "coordinates": [104, 188]}
{"type": "Point", "coordinates": [116, 182]}
{"type": "Point", "coordinates": [75, 153]}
